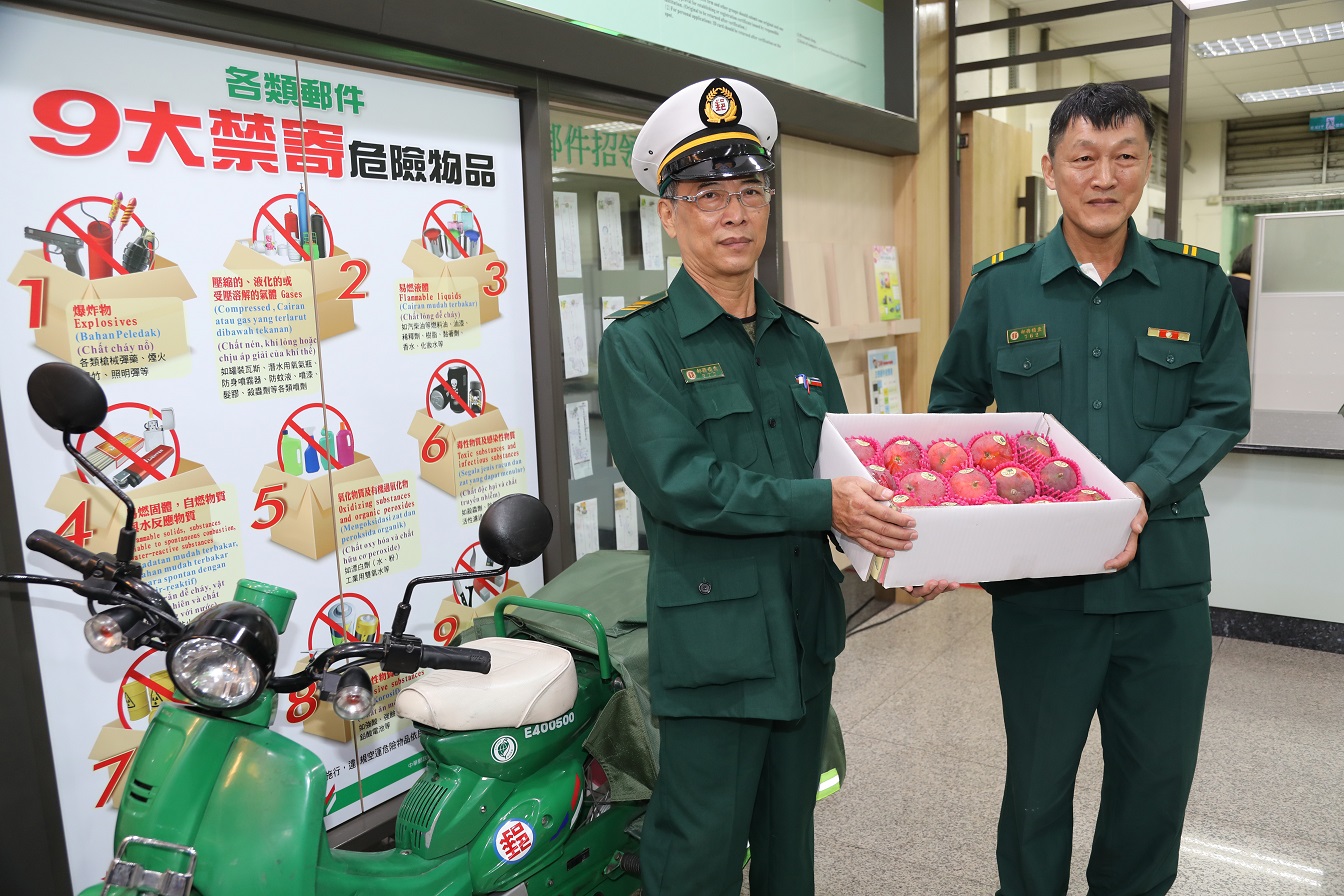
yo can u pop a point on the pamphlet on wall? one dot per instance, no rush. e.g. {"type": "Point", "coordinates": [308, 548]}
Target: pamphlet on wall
{"type": "Point", "coordinates": [585, 527]}
{"type": "Point", "coordinates": [580, 440]}
{"type": "Point", "coordinates": [610, 242]}
{"type": "Point", "coordinates": [574, 335]}
{"type": "Point", "coordinates": [651, 233]}
{"type": "Point", "coordinates": [887, 278]}
{"type": "Point", "coordinates": [884, 381]}
{"type": "Point", "coordinates": [673, 266]}
{"type": "Point", "coordinates": [627, 517]}
{"type": "Point", "coordinates": [567, 249]}
{"type": "Point", "coordinates": [610, 305]}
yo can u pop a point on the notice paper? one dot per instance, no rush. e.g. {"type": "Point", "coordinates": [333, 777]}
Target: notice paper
{"type": "Point", "coordinates": [585, 527]}
{"type": "Point", "coordinates": [574, 335]}
{"type": "Point", "coordinates": [884, 381]}
{"type": "Point", "coordinates": [651, 233]}
{"type": "Point", "coordinates": [609, 239]}
{"type": "Point", "coordinates": [568, 253]}
{"type": "Point", "coordinates": [580, 440]}
{"type": "Point", "coordinates": [627, 517]}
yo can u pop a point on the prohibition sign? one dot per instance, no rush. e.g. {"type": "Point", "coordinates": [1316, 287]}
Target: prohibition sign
{"type": "Point", "coordinates": [437, 379]}
{"type": "Point", "coordinates": [135, 458]}
{"type": "Point", "coordinates": [134, 674]}
{"type": "Point", "coordinates": [433, 221]}
{"type": "Point", "coordinates": [264, 214]}
{"type": "Point", "coordinates": [62, 216]}
{"type": "Point", "coordinates": [481, 590]}
{"type": "Point", "coordinates": [292, 424]}
{"type": "Point", "coordinates": [325, 622]}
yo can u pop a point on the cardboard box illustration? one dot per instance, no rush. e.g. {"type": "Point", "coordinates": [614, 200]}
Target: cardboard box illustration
{"type": "Point", "coordinates": [334, 315]}
{"type": "Point", "coordinates": [992, 542]}
{"type": "Point", "coordinates": [453, 617]}
{"type": "Point", "coordinates": [164, 280]}
{"type": "Point", "coordinates": [308, 523]}
{"type": "Point", "coordinates": [105, 513]}
{"type": "Point", "coordinates": [112, 751]}
{"type": "Point", "coordinates": [424, 264]}
{"type": "Point", "coordinates": [444, 469]}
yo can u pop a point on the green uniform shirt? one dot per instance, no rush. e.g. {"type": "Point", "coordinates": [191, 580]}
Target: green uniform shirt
{"type": "Point", "coordinates": [1149, 370]}
{"type": "Point", "coordinates": [717, 437]}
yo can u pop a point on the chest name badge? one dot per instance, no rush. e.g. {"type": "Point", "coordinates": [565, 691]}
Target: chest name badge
{"type": "Point", "coordinates": [703, 372]}
{"type": "Point", "coordinates": [1178, 335]}
{"type": "Point", "coordinates": [1026, 334]}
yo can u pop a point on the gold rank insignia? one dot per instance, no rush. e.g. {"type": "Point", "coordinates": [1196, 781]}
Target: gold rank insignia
{"type": "Point", "coordinates": [1026, 334]}
{"type": "Point", "coordinates": [1178, 335]}
{"type": "Point", "coordinates": [719, 104]}
{"type": "Point", "coordinates": [703, 372]}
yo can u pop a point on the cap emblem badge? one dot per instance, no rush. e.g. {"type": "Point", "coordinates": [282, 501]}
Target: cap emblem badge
{"type": "Point", "coordinates": [719, 105]}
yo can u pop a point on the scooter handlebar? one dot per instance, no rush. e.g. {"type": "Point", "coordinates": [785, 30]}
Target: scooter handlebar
{"type": "Point", "coordinates": [464, 659]}
{"type": "Point", "coordinates": [66, 552]}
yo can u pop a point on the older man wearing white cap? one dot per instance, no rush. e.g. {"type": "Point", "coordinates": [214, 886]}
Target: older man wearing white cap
{"type": "Point", "coordinates": [713, 395]}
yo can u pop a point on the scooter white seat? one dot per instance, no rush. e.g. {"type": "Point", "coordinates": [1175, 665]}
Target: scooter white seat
{"type": "Point", "coordinates": [528, 682]}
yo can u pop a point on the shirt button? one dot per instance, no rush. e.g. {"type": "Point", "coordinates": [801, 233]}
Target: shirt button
{"type": "Point", "coordinates": [1096, 405]}
{"type": "Point", "coordinates": [795, 552]}
{"type": "Point", "coordinates": [758, 362]}
{"type": "Point", "coordinates": [703, 588]}
{"type": "Point", "coordinates": [771, 421]}
{"type": "Point", "coordinates": [1175, 509]}
{"type": "Point", "coordinates": [1026, 365]}
{"type": "Point", "coordinates": [1096, 353]}
{"type": "Point", "coordinates": [1171, 359]}
{"type": "Point", "coordinates": [1096, 300]}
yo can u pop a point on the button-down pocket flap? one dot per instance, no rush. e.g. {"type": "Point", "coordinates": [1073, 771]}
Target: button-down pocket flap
{"type": "Point", "coordinates": [1028, 359]}
{"type": "Point", "coordinates": [1169, 353]}
{"type": "Point", "coordinates": [811, 402]}
{"type": "Point", "coordinates": [1189, 507]}
{"type": "Point", "coordinates": [684, 588]}
{"type": "Point", "coordinates": [711, 400]}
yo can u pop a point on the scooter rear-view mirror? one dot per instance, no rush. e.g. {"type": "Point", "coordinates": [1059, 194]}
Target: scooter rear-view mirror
{"type": "Point", "coordinates": [66, 398]}
{"type": "Point", "coordinates": [515, 530]}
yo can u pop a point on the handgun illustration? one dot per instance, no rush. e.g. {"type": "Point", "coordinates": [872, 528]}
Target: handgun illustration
{"type": "Point", "coordinates": [65, 246]}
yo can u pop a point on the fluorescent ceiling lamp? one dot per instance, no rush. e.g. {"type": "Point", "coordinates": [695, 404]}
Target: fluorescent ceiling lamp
{"type": "Point", "coordinates": [1276, 40]}
{"type": "Point", "coordinates": [613, 127]}
{"type": "Point", "coordinates": [1291, 93]}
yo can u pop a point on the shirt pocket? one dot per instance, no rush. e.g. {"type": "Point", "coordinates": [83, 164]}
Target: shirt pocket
{"type": "Point", "coordinates": [723, 413]}
{"type": "Point", "coordinates": [1031, 377]}
{"type": "Point", "coordinates": [1164, 372]}
{"type": "Point", "coordinates": [710, 626]}
{"type": "Point", "coordinates": [812, 412]}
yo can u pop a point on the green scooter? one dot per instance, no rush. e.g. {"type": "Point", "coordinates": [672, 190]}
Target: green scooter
{"type": "Point", "coordinates": [219, 804]}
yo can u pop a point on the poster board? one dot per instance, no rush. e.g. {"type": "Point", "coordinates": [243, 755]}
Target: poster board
{"type": "Point", "coordinates": [273, 366]}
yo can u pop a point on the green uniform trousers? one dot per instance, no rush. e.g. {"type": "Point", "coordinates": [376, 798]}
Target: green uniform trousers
{"type": "Point", "coordinates": [722, 781]}
{"type": "Point", "coordinates": [1145, 674]}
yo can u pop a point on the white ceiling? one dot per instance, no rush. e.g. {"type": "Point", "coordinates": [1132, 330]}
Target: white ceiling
{"type": "Point", "coordinates": [1212, 84]}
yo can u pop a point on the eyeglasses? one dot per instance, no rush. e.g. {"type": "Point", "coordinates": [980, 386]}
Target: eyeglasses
{"type": "Point", "coordinates": [713, 200]}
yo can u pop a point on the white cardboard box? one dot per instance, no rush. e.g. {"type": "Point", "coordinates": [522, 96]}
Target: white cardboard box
{"type": "Point", "coordinates": [988, 543]}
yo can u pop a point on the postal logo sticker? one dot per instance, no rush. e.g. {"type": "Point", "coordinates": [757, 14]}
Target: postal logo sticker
{"type": "Point", "coordinates": [504, 749]}
{"type": "Point", "coordinates": [513, 840]}
{"type": "Point", "coordinates": [703, 372]}
{"type": "Point", "coordinates": [1026, 334]}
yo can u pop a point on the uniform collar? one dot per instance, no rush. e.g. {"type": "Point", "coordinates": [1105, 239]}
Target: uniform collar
{"type": "Point", "coordinates": [1057, 257]}
{"type": "Point", "coordinates": [696, 309]}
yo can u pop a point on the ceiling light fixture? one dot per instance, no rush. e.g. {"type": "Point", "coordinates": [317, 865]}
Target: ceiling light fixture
{"type": "Point", "coordinates": [1291, 93]}
{"type": "Point", "coordinates": [613, 127]}
{"type": "Point", "coordinates": [1274, 40]}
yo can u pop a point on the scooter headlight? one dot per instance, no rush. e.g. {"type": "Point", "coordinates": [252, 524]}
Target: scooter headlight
{"type": "Point", "coordinates": [226, 657]}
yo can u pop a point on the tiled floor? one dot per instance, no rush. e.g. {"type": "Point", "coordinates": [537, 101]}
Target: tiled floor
{"type": "Point", "coordinates": [919, 704]}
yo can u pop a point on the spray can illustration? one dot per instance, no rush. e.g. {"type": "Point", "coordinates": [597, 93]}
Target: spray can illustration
{"type": "Point", "coordinates": [345, 446]}
{"type": "Point", "coordinates": [340, 614]}
{"type": "Point", "coordinates": [310, 464]}
{"type": "Point", "coordinates": [328, 441]}
{"type": "Point", "coordinates": [475, 398]}
{"type": "Point", "coordinates": [291, 453]}
{"type": "Point", "coordinates": [292, 228]}
{"type": "Point", "coordinates": [366, 627]}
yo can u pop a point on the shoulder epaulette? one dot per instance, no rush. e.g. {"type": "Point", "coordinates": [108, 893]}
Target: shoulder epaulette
{"type": "Point", "coordinates": [1188, 250]}
{"type": "Point", "coordinates": [795, 313]}
{"type": "Point", "coordinates": [636, 306]}
{"type": "Point", "coordinates": [1002, 256]}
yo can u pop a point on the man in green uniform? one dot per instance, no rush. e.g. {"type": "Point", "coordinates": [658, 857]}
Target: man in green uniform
{"type": "Point", "coordinates": [714, 396]}
{"type": "Point", "coordinates": [1136, 346]}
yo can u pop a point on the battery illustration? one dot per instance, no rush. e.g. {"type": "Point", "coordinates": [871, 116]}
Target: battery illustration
{"type": "Point", "coordinates": [366, 627]}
